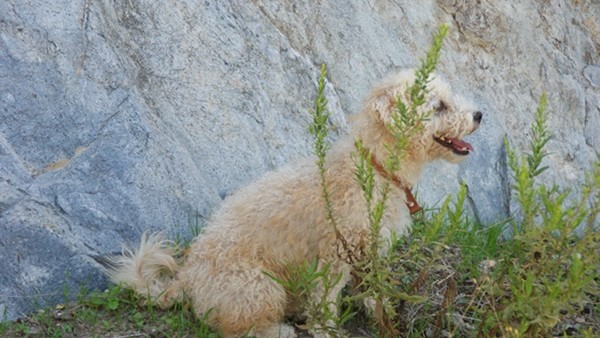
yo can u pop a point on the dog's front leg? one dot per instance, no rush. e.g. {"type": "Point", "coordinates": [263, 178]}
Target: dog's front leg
{"type": "Point", "coordinates": [326, 296]}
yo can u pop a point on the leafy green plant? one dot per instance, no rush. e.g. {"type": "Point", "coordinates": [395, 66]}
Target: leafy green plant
{"type": "Point", "coordinates": [377, 282]}
{"type": "Point", "coordinates": [551, 269]}
{"type": "Point", "coordinates": [308, 283]}
{"type": "Point", "coordinates": [111, 299]}
{"type": "Point", "coordinates": [114, 312]}
{"type": "Point", "coordinates": [302, 283]}
{"type": "Point", "coordinates": [485, 283]}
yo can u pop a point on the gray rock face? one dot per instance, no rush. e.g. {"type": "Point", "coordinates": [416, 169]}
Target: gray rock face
{"type": "Point", "coordinates": [122, 116]}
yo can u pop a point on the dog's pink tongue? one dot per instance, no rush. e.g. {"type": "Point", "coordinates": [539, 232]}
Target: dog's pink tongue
{"type": "Point", "coordinates": [461, 145]}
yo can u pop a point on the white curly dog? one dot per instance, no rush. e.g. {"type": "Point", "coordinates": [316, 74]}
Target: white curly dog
{"type": "Point", "coordinates": [280, 220]}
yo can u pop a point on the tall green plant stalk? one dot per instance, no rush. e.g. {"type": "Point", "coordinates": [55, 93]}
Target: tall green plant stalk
{"type": "Point", "coordinates": [526, 168]}
{"type": "Point", "coordinates": [319, 131]}
{"type": "Point", "coordinates": [407, 121]}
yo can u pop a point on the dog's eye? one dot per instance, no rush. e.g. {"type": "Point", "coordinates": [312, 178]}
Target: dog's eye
{"type": "Point", "coordinates": [441, 107]}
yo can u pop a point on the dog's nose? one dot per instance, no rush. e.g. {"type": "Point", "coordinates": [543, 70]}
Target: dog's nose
{"type": "Point", "coordinates": [477, 116]}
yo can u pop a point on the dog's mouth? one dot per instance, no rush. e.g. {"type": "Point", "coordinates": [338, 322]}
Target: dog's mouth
{"type": "Point", "coordinates": [457, 146]}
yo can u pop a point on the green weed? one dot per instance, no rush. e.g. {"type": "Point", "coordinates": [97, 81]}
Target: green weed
{"type": "Point", "coordinates": [454, 277]}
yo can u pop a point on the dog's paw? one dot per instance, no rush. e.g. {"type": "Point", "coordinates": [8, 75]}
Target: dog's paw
{"type": "Point", "coordinates": [277, 331]}
{"type": "Point", "coordinates": [322, 335]}
{"type": "Point", "coordinates": [286, 331]}
{"type": "Point", "coordinates": [320, 332]}
{"type": "Point", "coordinates": [370, 304]}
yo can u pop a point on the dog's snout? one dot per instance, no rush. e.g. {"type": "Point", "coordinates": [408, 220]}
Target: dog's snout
{"type": "Point", "coordinates": [477, 116]}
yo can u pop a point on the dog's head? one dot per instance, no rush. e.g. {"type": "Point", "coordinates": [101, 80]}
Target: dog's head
{"type": "Point", "coordinates": [450, 118]}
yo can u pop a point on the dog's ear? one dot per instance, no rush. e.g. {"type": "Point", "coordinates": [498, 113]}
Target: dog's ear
{"type": "Point", "coordinates": [383, 107]}
{"type": "Point", "coordinates": [381, 104]}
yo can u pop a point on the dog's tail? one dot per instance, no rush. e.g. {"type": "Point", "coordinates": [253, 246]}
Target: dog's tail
{"type": "Point", "coordinates": [150, 270]}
